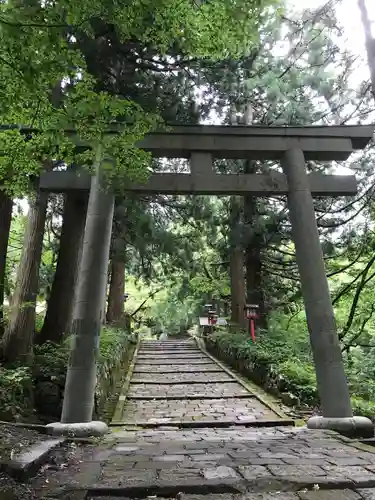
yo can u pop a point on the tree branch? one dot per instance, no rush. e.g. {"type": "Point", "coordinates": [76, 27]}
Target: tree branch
{"type": "Point", "coordinates": [152, 294]}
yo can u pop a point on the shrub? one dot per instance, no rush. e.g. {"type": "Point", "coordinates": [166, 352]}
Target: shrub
{"type": "Point", "coordinates": [16, 393]}
{"type": "Point", "coordinates": [271, 362]}
{"type": "Point", "coordinates": [25, 391]}
{"type": "Point", "coordinates": [280, 361]}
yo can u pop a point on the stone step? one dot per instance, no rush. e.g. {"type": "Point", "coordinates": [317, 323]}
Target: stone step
{"type": "Point", "coordinates": [169, 351]}
{"type": "Point", "coordinates": [305, 494]}
{"type": "Point", "coordinates": [194, 410]}
{"type": "Point", "coordinates": [170, 358]}
{"type": "Point", "coordinates": [176, 361]}
{"type": "Point", "coordinates": [167, 343]}
{"type": "Point", "coordinates": [168, 348]}
{"type": "Point", "coordinates": [233, 464]}
{"type": "Point", "coordinates": [177, 379]}
{"type": "Point", "coordinates": [242, 422]}
{"type": "Point", "coordinates": [176, 367]}
{"type": "Point", "coordinates": [158, 369]}
{"type": "Point", "coordinates": [185, 391]}
{"type": "Point", "coordinates": [189, 397]}
{"type": "Point", "coordinates": [181, 378]}
{"type": "Point", "coordinates": [161, 355]}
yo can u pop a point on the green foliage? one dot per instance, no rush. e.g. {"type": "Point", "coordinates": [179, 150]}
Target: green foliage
{"type": "Point", "coordinates": [52, 73]}
{"type": "Point", "coordinates": [37, 391]}
{"type": "Point", "coordinates": [281, 362]}
{"type": "Point", "coordinates": [268, 362]}
{"type": "Point", "coordinates": [16, 393]}
{"type": "Point", "coordinates": [113, 343]}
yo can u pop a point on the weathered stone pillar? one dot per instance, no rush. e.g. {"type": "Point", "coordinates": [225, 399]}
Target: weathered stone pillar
{"type": "Point", "coordinates": [88, 315]}
{"type": "Point", "coordinates": [330, 375]}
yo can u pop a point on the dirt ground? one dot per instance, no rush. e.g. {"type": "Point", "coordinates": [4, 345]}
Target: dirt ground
{"type": "Point", "coordinates": [15, 439]}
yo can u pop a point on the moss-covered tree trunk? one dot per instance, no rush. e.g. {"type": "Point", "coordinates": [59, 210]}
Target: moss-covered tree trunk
{"type": "Point", "coordinates": [254, 292]}
{"type": "Point", "coordinates": [116, 291]}
{"type": "Point", "coordinates": [237, 286]}
{"type": "Point", "coordinates": [19, 333]}
{"type": "Point", "coordinates": [6, 205]}
{"type": "Point", "coordinates": [237, 278]}
{"type": "Point", "coordinates": [60, 304]}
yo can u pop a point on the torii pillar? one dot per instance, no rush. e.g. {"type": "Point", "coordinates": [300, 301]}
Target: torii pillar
{"type": "Point", "coordinates": [330, 375]}
{"type": "Point", "coordinates": [88, 313]}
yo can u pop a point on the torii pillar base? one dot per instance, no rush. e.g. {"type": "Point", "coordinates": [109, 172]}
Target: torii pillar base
{"type": "Point", "coordinates": [352, 427]}
{"type": "Point", "coordinates": [78, 430]}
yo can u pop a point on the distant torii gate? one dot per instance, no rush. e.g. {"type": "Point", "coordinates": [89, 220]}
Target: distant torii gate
{"type": "Point", "coordinates": [201, 144]}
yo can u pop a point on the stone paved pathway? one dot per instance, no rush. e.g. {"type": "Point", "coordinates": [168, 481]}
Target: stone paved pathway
{"type": "Point", "coordinates": [190, 396]}
{"type": "Point", "coordinates": [194, 434]}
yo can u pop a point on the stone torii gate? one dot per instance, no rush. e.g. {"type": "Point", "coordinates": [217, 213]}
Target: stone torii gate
{"type": "Point", "coordinates": [292, 146]}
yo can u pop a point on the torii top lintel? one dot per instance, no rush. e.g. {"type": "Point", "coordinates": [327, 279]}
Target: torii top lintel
{"type": "Point", "coordinates": [203, 143]}
{"type": "Point", "coordinates": [320, 143]}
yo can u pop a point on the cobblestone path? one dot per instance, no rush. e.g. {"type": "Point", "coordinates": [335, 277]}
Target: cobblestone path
{"type": "Point", "coordinates": [176, 384]}
{"type": "Point", "coordinates": [187, 428]}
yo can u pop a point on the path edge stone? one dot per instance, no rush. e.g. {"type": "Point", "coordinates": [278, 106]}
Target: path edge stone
{"type": "Point", "coordinates": [26, 464]}
{"type": "Point", "coordinates": [119, 410]}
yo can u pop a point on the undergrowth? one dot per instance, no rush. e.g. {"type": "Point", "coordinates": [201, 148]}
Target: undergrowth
{"type": "Point", "coordinates": [281, 362]}
{"type": "Point", "coordinates": [35, 392]}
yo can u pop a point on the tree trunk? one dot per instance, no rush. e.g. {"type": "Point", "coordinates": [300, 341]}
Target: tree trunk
{"type": "Point", "coordinates": [237, 281]}
{"type": "Point", "coordinates": [370, 41]}
{"type": "Point", "coordinates": [225, 306]}
{"type": "Point", "coordinates": [237, 287]}
{"type": "Point", "coordinates": [116, 291]}
{"type": "Point", "coordinates": [60, 304]}
{"type": "Point", "coordinates": [19, 334]}
{"type": "Point", "coordinates": [253, 262]}
{"type": "Point", "coordinates": [6, 205]}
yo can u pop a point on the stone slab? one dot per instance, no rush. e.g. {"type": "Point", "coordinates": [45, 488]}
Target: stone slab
{"type": "Point", "coordinates": [225, 496]}
{"type": "Point", "coordinates": [190, 368]}
{"type": "Point", "coordinates": [27, 463]}
{"type": "Point", "coordinates": [175, 360]}
{"type": "Point", "coordinates": [181, 378]}
{"type": "Point", "coordinates": [366, 493]}
{"type": "Point", "coordinates": [329, 495]}
{"type": "Point", "coordinates": [205, 423]}
{"type": "Point", "coordinates": [198, 390]}
{"type": "Point", "coordinates": [264, 461]}
{"type": "Point", "coordinates": [198, 409]}
{"type": "Point", "coordinates": [345, 494]}
{"type": "Point", "coordinates": [165, 355]}
{"type": "Point", "coordinates": [169, 350]}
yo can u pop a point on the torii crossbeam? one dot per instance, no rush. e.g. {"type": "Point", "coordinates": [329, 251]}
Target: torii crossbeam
{"type": "Point", "coordinates": [292, 146]}
{"type": "Point", "coordinates": [202, 144]}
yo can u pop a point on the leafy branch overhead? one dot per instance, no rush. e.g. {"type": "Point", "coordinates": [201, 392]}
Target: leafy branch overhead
{"type": "Point", "coordinates": [63, 65]}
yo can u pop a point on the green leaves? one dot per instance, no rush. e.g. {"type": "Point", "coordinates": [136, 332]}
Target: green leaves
{"type": "Point", "coordinates": [52, 47]}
